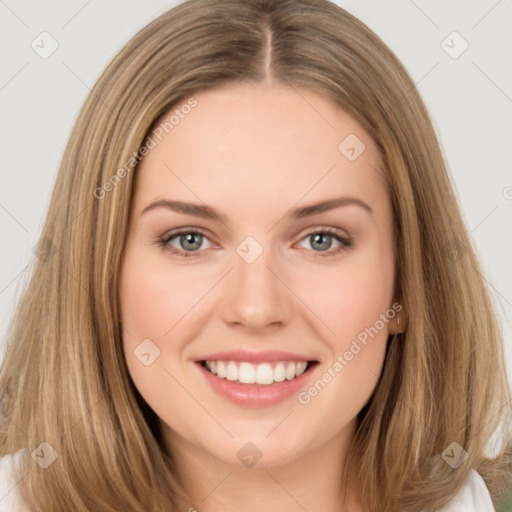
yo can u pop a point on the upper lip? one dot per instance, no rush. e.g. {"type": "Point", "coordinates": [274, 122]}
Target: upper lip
{"type": "Point", "coordinates": [264, 356]}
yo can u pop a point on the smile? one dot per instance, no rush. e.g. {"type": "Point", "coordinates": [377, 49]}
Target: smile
{"type": "Point", "coordinates": [258, 384]}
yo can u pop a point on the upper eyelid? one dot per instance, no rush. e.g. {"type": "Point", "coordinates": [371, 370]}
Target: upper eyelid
{"type": "Point", "coordinates": [180, 231]}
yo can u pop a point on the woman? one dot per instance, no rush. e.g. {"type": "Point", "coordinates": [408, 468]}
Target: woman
{"type": "Point", "coordinates": [257, 289]}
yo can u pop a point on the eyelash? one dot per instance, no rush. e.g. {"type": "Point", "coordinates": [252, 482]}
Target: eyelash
{"type": "Point", "coordinates": [163, 242]}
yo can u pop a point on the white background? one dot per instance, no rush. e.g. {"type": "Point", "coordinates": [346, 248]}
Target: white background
{"type": "Point", "coordinates": [470, 99]}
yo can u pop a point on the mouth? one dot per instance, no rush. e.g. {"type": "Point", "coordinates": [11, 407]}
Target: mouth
{"type": "Point", "coordinates": [265, 378]}
{"type": "Point", "coordinates": [262, 374]}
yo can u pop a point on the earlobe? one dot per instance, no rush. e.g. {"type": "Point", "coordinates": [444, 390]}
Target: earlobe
{"type": "Point", "coordinates": [400, 323]}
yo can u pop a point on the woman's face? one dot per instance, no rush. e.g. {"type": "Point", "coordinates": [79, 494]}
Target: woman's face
{"type": "Point", "coordinates": [258, 268]}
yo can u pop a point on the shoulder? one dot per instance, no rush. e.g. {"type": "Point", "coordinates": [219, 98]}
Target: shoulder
{"type": "Point", "coordinates": [10, 500]}
{"type": "Point", "coordinates": [473, 497]}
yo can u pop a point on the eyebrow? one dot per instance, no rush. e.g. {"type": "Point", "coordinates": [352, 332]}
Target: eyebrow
{"type": "Point", "coordinates": [207, 212]}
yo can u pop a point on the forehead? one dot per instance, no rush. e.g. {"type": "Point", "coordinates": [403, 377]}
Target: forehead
{"type": "Point", "coordinates": [244, 142]}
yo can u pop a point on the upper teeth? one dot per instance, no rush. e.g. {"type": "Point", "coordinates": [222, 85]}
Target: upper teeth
{"type": "Point", "coordinates": [264, 373]}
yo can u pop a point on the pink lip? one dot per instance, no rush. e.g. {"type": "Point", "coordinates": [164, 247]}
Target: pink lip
{"type": "Point", "coordinates": [253, 395]}
{"type": "Point", "coordinates": [265, 356]}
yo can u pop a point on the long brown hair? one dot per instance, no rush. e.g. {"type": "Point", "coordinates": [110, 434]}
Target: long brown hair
{"type": "Point", "coordinates": [64, 379]}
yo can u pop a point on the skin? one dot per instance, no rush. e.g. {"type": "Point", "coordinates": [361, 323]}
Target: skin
{"type": "Point", "coordinates": [253, 152]}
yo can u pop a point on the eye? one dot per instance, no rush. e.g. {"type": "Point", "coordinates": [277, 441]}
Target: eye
{"type": "Point", "coordinates": [321, 241]}
{"type": "Point", "coordinates": [184, 243]}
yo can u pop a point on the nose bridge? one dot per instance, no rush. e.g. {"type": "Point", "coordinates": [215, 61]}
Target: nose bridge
{"type": "Point", "coordinates": [255, 297]}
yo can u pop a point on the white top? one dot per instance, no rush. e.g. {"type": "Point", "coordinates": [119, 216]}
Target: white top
{"type": "Point", "coordinates": [473, 497]}
{"type": "Point", "coordinates": [9, 499]}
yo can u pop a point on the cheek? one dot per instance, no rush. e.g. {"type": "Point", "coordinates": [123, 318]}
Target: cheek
{"type": "Point", "coordinates": [153, 299]}
{"type": "Point", "coordinates": [152, 306]}
{"type": "Point", "coordinates": [149, 310]}
{"type": "Point", "coordinates": [357, 308]}
{"type": "Point", "coordinates": [355, 298]}
{"type": "Point", "coordinates": [352, 296]}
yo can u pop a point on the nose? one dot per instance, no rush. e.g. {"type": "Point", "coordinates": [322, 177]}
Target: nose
{"type": "Point", "coordinates": [256, 295]}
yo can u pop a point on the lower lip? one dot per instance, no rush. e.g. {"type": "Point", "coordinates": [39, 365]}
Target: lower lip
{"type": "Point", "coordinates": [252, 395]}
